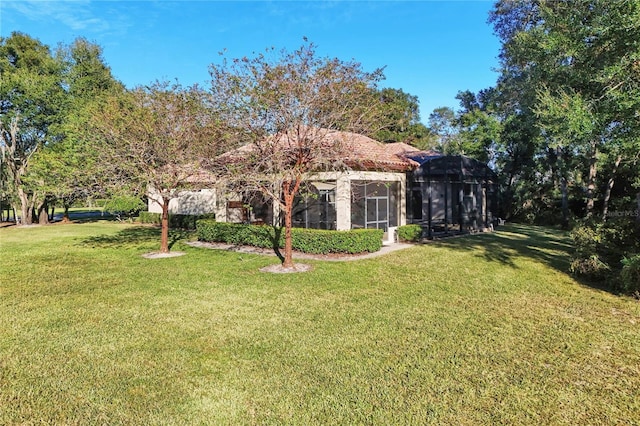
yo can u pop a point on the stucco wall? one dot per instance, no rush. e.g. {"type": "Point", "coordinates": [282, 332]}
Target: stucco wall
{"type": "Point", "coordinates": [188, 202]}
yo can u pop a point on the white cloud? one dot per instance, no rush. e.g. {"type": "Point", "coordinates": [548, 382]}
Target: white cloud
{"type": "Point", "coordinates": [79, 16]}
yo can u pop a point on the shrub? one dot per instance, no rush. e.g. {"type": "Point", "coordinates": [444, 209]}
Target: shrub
{"type": "Point", "coordinates": [411, 233]}
{"type": "Point", "coordinates": [305, 240]}
{"type": "Point", "coordinates": [176, 221]}
{"type": "Point", "coordinates": [591, 266]}
{"type": "Point", "coordinates": [148, 217]}
{"type": "Point", "coordinates": [607, 252]}
{"type": "Point", "coordinates": [630, 274]}
{"type": "Point", "coordinates": [586, 260]}
{"type": "Point", "coordinates": [585, 240]}
{"type": "Point", "coordinates": [322, 241]}
{"type": "Point", "coordinates": [123, 206]}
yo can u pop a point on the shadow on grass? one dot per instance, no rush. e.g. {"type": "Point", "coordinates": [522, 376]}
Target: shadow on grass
{"type": "Point", "coordinates": [136, 236]}
{"type": "Point", "coordinates": [546, 245]}
{"type": "Point", "coordinates": [275, 241]}
{"type": "Point", "coordinates": [86, 216]}
{"type": "Point", "coordinates": [549, 246]}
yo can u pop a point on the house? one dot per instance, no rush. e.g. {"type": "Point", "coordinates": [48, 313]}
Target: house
{"type": "Point", "coordinates": [380, 186]}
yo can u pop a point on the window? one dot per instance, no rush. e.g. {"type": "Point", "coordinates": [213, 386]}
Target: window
{"type": "Point", "coordinates": [316, 207]}
{"type": "Point", "coordinates": [259, 208]}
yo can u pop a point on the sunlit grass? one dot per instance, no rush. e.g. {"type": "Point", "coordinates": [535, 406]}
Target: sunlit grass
{"type": "Point", "coordinates": [485, 329]}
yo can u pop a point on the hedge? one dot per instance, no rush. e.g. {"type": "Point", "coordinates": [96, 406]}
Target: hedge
{"type": "Point", "coordinates": [314, 241]}
{"type": "Point", "coordinates": [411, 233]}
{"type": "Point", "coordinates": [176, 221]}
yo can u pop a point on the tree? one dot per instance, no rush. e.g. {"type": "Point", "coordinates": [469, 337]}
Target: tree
{"type": "Point", "coordinates": [585, 50]}
{"type": "Point", "coordinates": [473, 130]}
{"type": "Point", "coordinates": [479, 124]}
{"type": "Point", "coordinates": [565, 120]}
{"type": "Point", "coordinates": [153, 140]}
{"type": "Point", "coordinates": [31, 96]}
{"type": "Point", "coordinates": [401, 111]}
{"type": "Point", "coordinates": [444, 124]}
{"type": "Point", "coordinates": [287, 106]}
{"type": "Point", "coordinates": [87, 78]}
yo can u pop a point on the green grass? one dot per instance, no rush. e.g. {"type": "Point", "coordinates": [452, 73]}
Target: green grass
{"type": "Point", "coordinates": [486, 329]}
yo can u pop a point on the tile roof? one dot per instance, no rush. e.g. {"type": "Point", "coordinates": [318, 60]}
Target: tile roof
{"type": "Point", "coordinates": [356, 150]}
{"type": "Point", "coordinates": [362, 152]}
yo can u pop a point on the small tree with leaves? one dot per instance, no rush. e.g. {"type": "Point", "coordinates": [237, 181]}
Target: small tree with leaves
{"type": "Point", "coordinates": [152, 140]}
{"type": "Point", "coordinates": [287, 104]}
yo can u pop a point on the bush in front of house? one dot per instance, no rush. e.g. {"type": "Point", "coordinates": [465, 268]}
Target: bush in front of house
{"type": "Point", "coordinates": [176, 221]}
{"type": "Point", "coordinates": [314, 241]}
{"type": "Point", "coordinates": [319, 241]}
{"type": "Point", "coordinates": [410, 233]}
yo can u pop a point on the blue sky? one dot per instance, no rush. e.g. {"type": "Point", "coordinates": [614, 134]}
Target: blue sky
{"type": "Point", "coordinates": [430, 49]}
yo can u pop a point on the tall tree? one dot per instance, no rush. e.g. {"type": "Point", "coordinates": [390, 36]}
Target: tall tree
{"type": "Point", "coordinates": [472, 130]}
{"type": "Point", "coordinates": [153, 140]}
{"type": "Point", "coordinates": [583, 51]}
{"type": "Point", "coordinates": [31, 97]}
{"type": "Point", "coordinates": [87, 78]}
{"type": "Point", "coordinates": [479, 124]}
{"type": "Point", "coordinates": [565, 121]}
{"type": "Point", "coordinates": [402, 114]}
{"type": "Point", "coordinates": [443, 122]}
{"type": "Point", "coordinates": [288, 103]}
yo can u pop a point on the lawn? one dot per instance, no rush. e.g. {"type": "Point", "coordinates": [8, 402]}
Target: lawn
{"type": "Point", "coordinates": [485, 329]}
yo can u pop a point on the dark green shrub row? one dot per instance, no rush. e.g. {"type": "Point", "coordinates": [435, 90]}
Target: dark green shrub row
{"type": "Point", "coordinates": [176, 221]}
{"type": "Point", "coordinates": [323, 241]}
{"type": "Point", "coordinates": [304, 240]}
{"type": "Point", "coordinates": [237, 233]}
{"type": "Point", "coordinates": [410, 233]}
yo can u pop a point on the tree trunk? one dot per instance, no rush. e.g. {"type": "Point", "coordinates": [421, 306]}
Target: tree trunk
{"type": "Point", "coordinates": [607, 194]}
{"type": "Point", "coordinates": [288, 210]}
{"type": "Point", "coordinates": [508, 198]}
{"type": "Point", "coordinates": [42, 213]}
{"type": "Point", "coordinates": [43, 217]}
{"type": "Point", "coordinates": [558, 168]}
{"type": "Point", "coordinates": [591, 181]}
{"type": "Point", "coordinates": [65, 215]}
{"type": "Point", "coordinates": [25, 207]}
{"type": "Point", "coordinates": [638, 210]}
{"type": "Point", "coordinates": [164, 239]}
{"type": "Point", "coordinates": [565, 203]}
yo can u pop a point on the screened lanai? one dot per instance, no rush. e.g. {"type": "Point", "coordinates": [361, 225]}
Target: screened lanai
{"type": "Point", "coordinates": [450, 194]}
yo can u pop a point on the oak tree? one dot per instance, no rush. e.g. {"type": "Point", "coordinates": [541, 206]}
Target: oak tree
{"type": "Point", "coordinates": [31, 98]}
